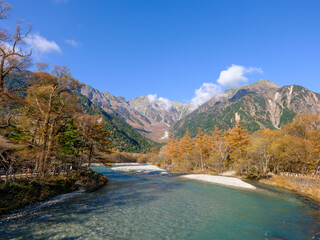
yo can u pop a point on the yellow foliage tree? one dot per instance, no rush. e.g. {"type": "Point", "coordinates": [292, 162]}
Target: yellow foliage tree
{"type": "Point", "coordinates": [202, 144]}
{"type": "Point", "coordinates": [186, 147]}
{"type": "Point", "coordinates": [238, 139]}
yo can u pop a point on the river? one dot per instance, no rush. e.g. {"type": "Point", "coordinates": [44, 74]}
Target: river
{"type": "Point", "coordinates": [133, 206]}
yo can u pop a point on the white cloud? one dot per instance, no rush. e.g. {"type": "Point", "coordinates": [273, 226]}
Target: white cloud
{"type": "Point", "coordinates": [165, 103]}
{"type": "Point", "coordinates": [162, 103]}
{"type": "Point", "coordinates": [205, 93]}
{"type": "Point", "coordinates": [73, 43]}
{"type": "Point", "coordinates": [40, 45]}
{"type": "Point", "coordinates": [121, 105]}
{"type": "Point", "coordinates": [7, 47]}
{"type": "Point", "coordinates": [234, 75]}
{"type": "Point", "coordinates": [152, 98]}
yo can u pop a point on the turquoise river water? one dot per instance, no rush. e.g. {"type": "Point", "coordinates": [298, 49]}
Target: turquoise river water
{"type": "Point", "coordinates": [133, 206]}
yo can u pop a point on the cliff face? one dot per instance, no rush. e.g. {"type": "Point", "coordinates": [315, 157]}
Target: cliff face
{"type": "Point", "coordinates": [151, 117]}
{"type": "Point", "coordinates": [260, 105]}
{"type": "Point", "coordinates": [160, 110]}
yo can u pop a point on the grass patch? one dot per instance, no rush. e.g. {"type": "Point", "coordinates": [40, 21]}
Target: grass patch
{"type": "Point", "coordinates": [306, 186]}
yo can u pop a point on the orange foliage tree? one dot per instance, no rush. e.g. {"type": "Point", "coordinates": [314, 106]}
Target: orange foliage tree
{"type": "Point", "coordinates": [295, 149]}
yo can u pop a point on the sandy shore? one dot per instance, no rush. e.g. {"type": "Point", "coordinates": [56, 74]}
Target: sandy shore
{"type": "Point", "coordinates": [125, 164]}
{"type": "Point", "coordinates": [227, 181]}
{"type": "Point", "coordinates": [92, 164]}
{"type": "Point", "coordinates": [146, 169]}
{"type": "Point", "coordinates": [151, 169]}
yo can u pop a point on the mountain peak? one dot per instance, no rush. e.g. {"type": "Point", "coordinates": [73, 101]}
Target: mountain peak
{"type": "Point", "coordinates": [265, 82]}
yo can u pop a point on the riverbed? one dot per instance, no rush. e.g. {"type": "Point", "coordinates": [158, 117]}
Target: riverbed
{"type": "Point", "coordinates": [158, 206]}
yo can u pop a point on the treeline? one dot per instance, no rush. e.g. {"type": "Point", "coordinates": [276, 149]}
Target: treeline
{"type": "Point", "coordinates": [293, 149]}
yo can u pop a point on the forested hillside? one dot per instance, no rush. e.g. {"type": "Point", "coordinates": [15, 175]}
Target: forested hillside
{"type": "Point", "coordinates": [122, 135]}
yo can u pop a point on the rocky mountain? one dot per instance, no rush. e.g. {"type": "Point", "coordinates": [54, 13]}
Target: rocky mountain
{"type": "Point", "coordinates": [123, 136]}
{"type": "Point", "coordinates": [260, 105]}
{"type": "Point", "coordinates": [149, 115]}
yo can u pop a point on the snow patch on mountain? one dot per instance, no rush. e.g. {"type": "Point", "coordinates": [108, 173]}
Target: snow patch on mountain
{"type": "Point", "coordinates": [165, 135]}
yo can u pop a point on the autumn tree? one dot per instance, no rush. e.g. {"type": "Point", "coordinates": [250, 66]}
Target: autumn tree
{"type": "Point", "coordinates": [51, 102]}
{"type": "Point", "coordinates": [185, 154]}
{"type": "Point", "coordinates": [96, 139]}
{"type": "Point", "coordinates": [172, 150]}
{"type": "Point", "coordinates": [291, 154]}
{"type": "Point", "coordinates": [42, 67]}
{"type": "Point", "coordinates": [238, 139]}
{"type": "Point", "coordinates": [307, 126]}
{"type": "Point", "coordinates": [294, 149]}
{"type": "Point", "coordinates": [202, 147]}
{"type": "Point", "coordinates": [259, 155]}
{"type": "Point", "coordinates": [14, 57]}
{"type": "Point", "coordinates": [219, 150]}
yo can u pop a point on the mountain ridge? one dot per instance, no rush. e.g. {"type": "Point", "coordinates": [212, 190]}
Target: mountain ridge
{"type": "Point", "coordinates": [149, 115]}
{"type": "Point", "coordinates": [260, 105]}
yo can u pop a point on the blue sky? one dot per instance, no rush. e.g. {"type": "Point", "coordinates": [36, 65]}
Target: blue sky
{"type": "Point", "coordinates": [172, 47]}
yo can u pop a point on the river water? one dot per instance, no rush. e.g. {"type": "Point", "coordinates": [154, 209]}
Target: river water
{"type": "Point", "coordinates": [163, 207]}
